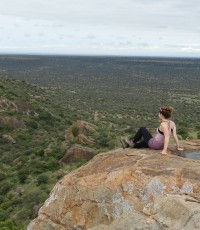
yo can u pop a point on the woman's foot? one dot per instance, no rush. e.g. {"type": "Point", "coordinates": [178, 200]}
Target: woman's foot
{"type": "Point", "coordinates": [127, 143]}
{"type": "Point", "coordinates": [123, 142]}
{"type": "Point", "coordinates": [130, 142]}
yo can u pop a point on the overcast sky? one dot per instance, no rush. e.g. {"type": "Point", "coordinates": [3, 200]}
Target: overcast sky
{"type": "Point", "coordinates": [101, 27]}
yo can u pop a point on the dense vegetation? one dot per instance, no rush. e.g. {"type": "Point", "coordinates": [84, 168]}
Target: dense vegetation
{"type": "Point", "coordinates": [117, 95]}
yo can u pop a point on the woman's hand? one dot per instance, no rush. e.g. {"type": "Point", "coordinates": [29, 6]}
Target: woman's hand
{"type": "Point", "coordinates": [179, 148]}
{"type": "Point", "coordinates": [164, 152]}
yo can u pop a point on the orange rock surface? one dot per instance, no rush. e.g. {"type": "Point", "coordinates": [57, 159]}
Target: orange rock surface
{"type": "Point", "coordinates": [123, 187]}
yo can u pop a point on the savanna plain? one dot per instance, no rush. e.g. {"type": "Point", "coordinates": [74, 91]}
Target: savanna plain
{"type": "Point", "coordinates": [51, 106]}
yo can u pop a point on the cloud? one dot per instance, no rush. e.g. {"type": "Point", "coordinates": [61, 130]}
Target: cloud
{"type": "Point", "coordinates": [104, 26]}
{"type": "Point", "coordinates": [143, 44]}
{"type": "Point", "coordinates": [57, 26]}
{"type": "Point", "coordinates": [90, 37]}
{"type": "Point", "coordinates": [40, 34]}
{"type": "Point", "coordinates": [95, 12]}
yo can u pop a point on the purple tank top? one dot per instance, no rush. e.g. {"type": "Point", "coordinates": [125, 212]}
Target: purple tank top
{"type": "Point", "coordinates": [157, 142]}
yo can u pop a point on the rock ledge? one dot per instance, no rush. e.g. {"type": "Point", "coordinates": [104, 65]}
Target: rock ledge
{"type": "Point", "coordinates": [125, 189]}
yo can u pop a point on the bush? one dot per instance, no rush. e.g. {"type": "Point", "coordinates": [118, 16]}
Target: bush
{"type": "Point", "coordinates": [1, 198]}
{"type": "Point", "coordinates": [104, 141]}
{"type": "Point", "coordinates": [9, 225]}
{"type": "Point", "coordinates": [5, 187]}
{"type": "Point", "coordinates": [23, 136]}
{"type": "Point", "coordinates": [183, 132]}
{"type": "Point", "coordinates": [36, 166]}
{"type": "Point", "coordinates": [3, 215]}
{"type": "Point", "coordinates": [39, 151]}
{"type": "Point", "coordinates": [42, 179]}
{"type": "Point", "coordinates": [2, 176]}
{"type": "Point", "coordinates": [32, 124]}
{"type": "Point", "coordinates": [44, 115]}
{"type": "Point", "coordinates": [24, 214]}
{"type": "Point", "coordinates": [52, 164]}
{"type": "Point", "coordinates": [33, 197]}
{"type": "Point", "coordinates": [17, 200]}
{"type": "Point", "coordinates": [75, 131]}
{"type": "Point", "coordinates": [22, 175]}
{"type": "Point", "coordinates": [7, 128]}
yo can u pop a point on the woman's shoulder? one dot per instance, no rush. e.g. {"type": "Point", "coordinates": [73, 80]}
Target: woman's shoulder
{"type": "Point", "coordinates": [172, 122]}
{"type": "Point", "coordinates": [167, 123]}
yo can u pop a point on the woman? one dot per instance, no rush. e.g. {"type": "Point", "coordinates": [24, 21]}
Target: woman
{"type": "Point", "coordinates": [161, 140]}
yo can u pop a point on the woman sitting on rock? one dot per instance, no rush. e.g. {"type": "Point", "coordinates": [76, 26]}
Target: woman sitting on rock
{"type": "Point", "coordinates": [161, 140]}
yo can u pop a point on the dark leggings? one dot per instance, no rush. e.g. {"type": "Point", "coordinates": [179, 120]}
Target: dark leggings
{"type": "Point", "coordinates": [142, 133]}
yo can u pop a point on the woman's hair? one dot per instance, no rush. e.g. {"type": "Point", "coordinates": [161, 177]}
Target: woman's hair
{"type": "Point", "coordinates": [166, 111]}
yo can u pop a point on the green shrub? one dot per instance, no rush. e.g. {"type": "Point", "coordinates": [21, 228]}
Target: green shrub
{"type": "Point", "coordinates": [36, 166]}
{"type": "Point", "coordinates": [103, 141]}
{"type": "Point", "coordinates": [9, 225]}
{"type": "Point", "coordinates": [33, 197]}
{"type": "Point", "coordinates": [24, 214]}
{"type": "Point", "coordinates": [56, 153]}
{"type": "Point", "coordinates": [23, 135]}
{"type": "Point", "coordinates": [183, 132]}
{"type": "Point", "coordinates": [3, 215]}
{"type": "Point", "coordinates": [1, 198]}
{"type": "Point", "coordinates": [39, 151]}
{"type": "Point", "coordinates": [5, 187]}
{"type": "Point", "coordinates": [75, 131]}
{"type": "Point", "coordinates": [6, 204]}
{"type": "Point", "coordinates": [42, 179]}
{"type": "Point", "coordinates": [17, 200]}
{"type": "Point", "coordinates": [52, 164]}
{"type": "Point", "coordinates": [22, 175]}
{"type": "Point", "coordinates": [2, 176]}
{"type": "Point", "coordinates": [7, 128]}
{"type": "Point", "coordinates": [32, 124]}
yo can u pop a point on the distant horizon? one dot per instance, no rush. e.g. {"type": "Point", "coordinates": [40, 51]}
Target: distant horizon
{"type": "Point", "coordinates": [98, 55]}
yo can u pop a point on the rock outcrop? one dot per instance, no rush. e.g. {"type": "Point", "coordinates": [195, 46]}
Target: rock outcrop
{"type": "Point", "coordinates": [8, 138]}
{"type": "Point", "coordinates": [78, 153]}
{"type": "Point", "coordinates": [17, 105]}
{"type": "Point", "coordinates": [12, 122]}
{"type": "Point", "coordinates": [80, 131]}
{"type": "Point", "coordinates": [125, 190]}
{"type": "Point", "coordinates": [6, 104]}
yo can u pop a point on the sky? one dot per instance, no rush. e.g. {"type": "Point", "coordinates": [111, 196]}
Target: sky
{"type": "Point", "coordinates": [101, 27]}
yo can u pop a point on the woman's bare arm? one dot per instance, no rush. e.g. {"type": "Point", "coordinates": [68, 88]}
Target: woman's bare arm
{"type": "Point", "coordinates": [176, 138]}
{"type": "Point", "coordinates": [165, 130]}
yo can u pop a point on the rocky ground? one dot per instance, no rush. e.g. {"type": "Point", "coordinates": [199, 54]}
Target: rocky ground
{"type": "Point", "coordinates": [126, 189]}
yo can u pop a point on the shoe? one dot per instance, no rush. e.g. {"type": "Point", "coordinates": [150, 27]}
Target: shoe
{"type": "Point", "coordinates": [124, 143]}
{"type": "Point", "coordinates": [129, 142]}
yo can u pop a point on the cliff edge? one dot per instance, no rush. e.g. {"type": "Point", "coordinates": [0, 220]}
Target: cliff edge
{"type": "Point", "coordinates": [125, 189]}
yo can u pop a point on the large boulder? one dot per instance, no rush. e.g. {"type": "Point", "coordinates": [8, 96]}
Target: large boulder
{"type": "Point", "coordinates": [80, 131]}
{"type": "Point", "coordinates": [12, 122]}
{"type": "Point", "coordinates": [125, 189]}
{"type": "Point", "coordinates": [78, 153]}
